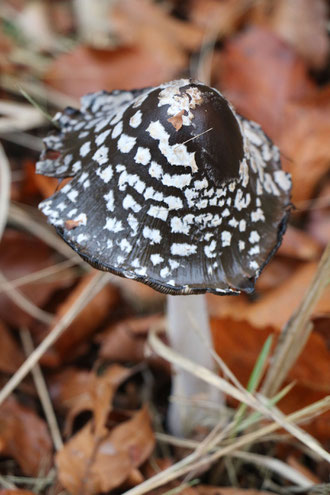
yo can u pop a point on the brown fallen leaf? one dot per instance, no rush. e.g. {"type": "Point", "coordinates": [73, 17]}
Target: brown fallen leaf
{"type": "Point", "coordinates": [299, 244]}
{"type": "Point", "coordinates": [276, 306]}
{"type": "Point", "coordinates": [11, 356]}
{"type": "Point", "coordinates": [303, 24]}
{"type": "Point", "coordinates": [304, 139]}
{"type": "Point", "coordinates": [214, 490]}
{"type": "Point", "coordinates": [20, 255]}
{"type": "Point", "coordinates": [75, 338]}
{"type": "Point", "coordinates": [24, 437]}
{"type": "Point", "coordinates": [239, 344]}
{"type": "Point", "coordinates": [176, 120]}
{"type": "Point", "coordinates": [260, 94]}
{"type": "Point", "coordinates": [78, 391]}
{"type": "Point", "coordinates": [90, 464]}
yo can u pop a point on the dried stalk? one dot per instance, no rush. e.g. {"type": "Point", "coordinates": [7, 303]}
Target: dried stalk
{"type": "Point", "coordinates": [297, 330]}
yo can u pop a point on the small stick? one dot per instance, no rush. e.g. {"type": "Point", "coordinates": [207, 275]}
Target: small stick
{"type": "Point", "coordinates": [194, 137]}
{"type": "Point", "coordinates": [41, 387]}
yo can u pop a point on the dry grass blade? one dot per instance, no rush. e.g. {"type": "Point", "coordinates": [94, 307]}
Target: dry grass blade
{"type": "Point", "coordinates": [36, 276]}
{"type": "Point", "coordinates": [297, 330]}
{"type": "Point", "coordinates": [42, 391]}
{"type": "Point", "coordinates": [191, 462]}
{"type": "Point", "coordinates": [164, 351]}
{"type": "Point", "coordinates": [274, 465]}
{"type": "Point", "coordinates": [16, 116]}
{"type": "Point", "coordinates": [25, 304]}
{"type": "Point", "coordinates": [4, 189]}
{"type": "Point", "coordinates": [95, 285]}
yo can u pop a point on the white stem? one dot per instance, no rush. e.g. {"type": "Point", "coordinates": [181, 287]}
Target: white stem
{"type": "Point", "coordinates": [189, 334]}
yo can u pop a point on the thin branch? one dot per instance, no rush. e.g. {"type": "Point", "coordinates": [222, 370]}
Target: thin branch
{"type": "Point", "coordinates": [297, 330]}
{"type": "Point", "coordinates": [95, 285]}
{"type": "Point", "coordinates": [41, 387]}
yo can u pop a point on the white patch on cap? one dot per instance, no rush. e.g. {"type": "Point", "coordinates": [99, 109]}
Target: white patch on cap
{"type": "Point", "coordinates": [117, 130]}
{"type": "Point", "coordinates": [181, 225]}
{"type": "Point", "coordinates": [133, 223]}
{"type": "Point", "coordinates": [183, 249]}
{"type": "Point", "coordinates": [76, 166]}
{"type": "Point", "coordinates": [242, 201]}
{"type": "Point", "coordinates": [254, 265]}
{"type": "Point", "coordinates": [102, 137]}
{"type": "Point", "coordinates": [241, 245]}
{"type": "Point", "coordinates": [177, 101]}
{"type": "Point", "coordinates": [254, 237]}
{"type": "Point", "coordinates": [83, 177]}
{"type": "Point", "coordinates": [254, 250]}
{"type": "Point", "coordinates": [156, 259]}
{"type": "Point", "coordinates": [253, 136]}
{"type": "Point", "coordinates": [257, 215]}
{"type": "Point", "coordinates": [173, 202]}
{"type": "Point", "coordinates": [72, 195]}
{"type": "Point", "coordinates": [105, 174]}
{"type": "Point", "coordinates": [244, 172]}
{"type": "Point", "coordinates": [209, 250]}
{"type": "Point", "coordinates": [225, 238]}
{"type": "Point", "coordinates": [85, 149]}
{"type": "Point", "coordinates": [81, 219]}
{"type": "Point", "coordinates": [129, 202]}
{"type": "Point", "coordinates": [61, 206]}
{"type": "Point", "coordinates": [125, 246]}
{"type": "Point", "coordinates": [269, 185]}
{"type": "Point", "coordinates": [164, 272]}
{"type": "Point", "coordinates": [242, 225]}
{"type": "Point", "coordinates": [233, 223]}
{"type": "Point", "coordinates": [152, 234]}
{"type": "Point", "coordinates": [158, 212]}
{"type": "Point", "coordinates": [178, 181]}
{"type": "Point", "coordinates": [72, 212]}
{"type": "Point", "coordinates": [142, 155]}
{"type": "Point", "coordinates": [110, 204]}
{"type": "Point", "coordinates": [173, 264]}
{"type": "Point", "coordinates": [136, 119]}
{"type": "Point", "coordinates": [155, 170]}
{"type": "Point", "coordinates": [81, 238]}
{"type": "Point", "coordinates": [225, 212]}
{"type": "Point", "coordinates": [101, 155]}
{"type": "Point", "coordinates": [201, 184]}
{"type": "Point", "coordinates": [176, 154]}
{"type": "Point", "coordinates": [114, 225]}
{"type": "Point", "coordinates": [126, 143]}
{"type": "Point", "coordinates": [283, 180]}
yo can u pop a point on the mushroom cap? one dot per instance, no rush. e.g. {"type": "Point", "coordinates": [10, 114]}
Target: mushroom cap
{"type": "Point", "coordinates": [170, 187]}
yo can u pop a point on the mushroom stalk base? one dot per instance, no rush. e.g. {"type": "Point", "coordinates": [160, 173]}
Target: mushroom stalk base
{"type": "Point", "coordinates": [189, 334]}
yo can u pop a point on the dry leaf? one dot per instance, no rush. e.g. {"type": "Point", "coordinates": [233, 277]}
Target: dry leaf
{"type": "Point", "coordinates": [24, 437]}
{"type": "Point", "coordinates": [72, 342]}
{"type": "Point", "coordinates": [79, 391]}
{"type": "Point", "coordinates": [17, 491]}
{"type": "Point", "coordinates": [257, 93]}
{"type": "Point", "coordinates": [303, 24]}
{"type": "Point", "coordinates": [299, 244]}
{"type": "Point", "coordinates": [11, 357]}
{"type": "Point", "coordinates": [20, 255]}
{"type": "Point", "coordinates": [214, 490]}
{"type": "Point", "coordinates": [88, 464]}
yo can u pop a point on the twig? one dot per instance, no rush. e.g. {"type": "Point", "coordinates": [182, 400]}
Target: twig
{"type": "Point", "coordinates": [4, 189]}
{"type": "Point", "coordinates": [24, 303]}
{"type": "Point", "coordinates": [297, 330]}
{"type": "Point", "coordinates": [95, 285]}
{"type": "Point", "coordinates": [42, 391]}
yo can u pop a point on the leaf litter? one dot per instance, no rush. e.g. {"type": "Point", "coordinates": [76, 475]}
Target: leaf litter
{"type": "Point", "coordinates": [271, 63]}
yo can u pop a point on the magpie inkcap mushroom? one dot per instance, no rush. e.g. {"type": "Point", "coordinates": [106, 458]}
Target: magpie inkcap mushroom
{"type": "Point", "coordinates": [170, 186]}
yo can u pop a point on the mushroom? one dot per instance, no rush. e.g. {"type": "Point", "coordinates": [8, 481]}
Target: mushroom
{"type": "Point", "coordinates": [170, 187]}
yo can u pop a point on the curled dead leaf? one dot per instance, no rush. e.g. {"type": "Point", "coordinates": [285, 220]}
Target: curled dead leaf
{"type": "Point", "coordinates": [90, 464]}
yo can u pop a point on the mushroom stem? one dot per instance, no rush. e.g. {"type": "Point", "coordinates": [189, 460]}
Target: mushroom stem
{"type": "Point", "coordinates": [189, 334]}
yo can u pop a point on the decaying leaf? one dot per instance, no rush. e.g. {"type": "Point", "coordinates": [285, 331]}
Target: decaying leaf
{"type": "Point", "coordinates": [90, 463]}
{"type": "Point", "coordinates": [11, 357]}
{"type": "Point", "coordinates": [72, 342]}
{"type": "Point", "coordinates": [24, 437]}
